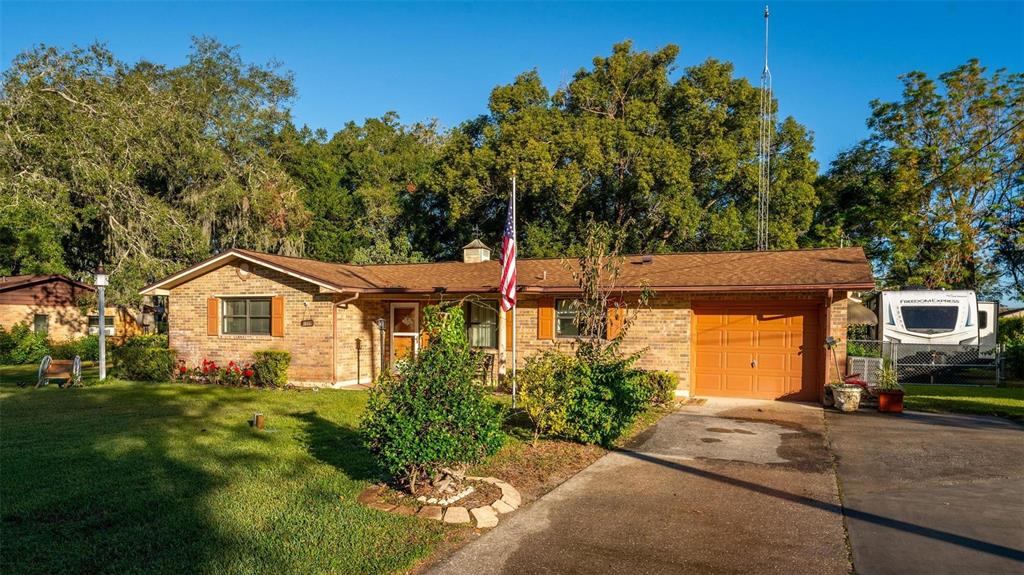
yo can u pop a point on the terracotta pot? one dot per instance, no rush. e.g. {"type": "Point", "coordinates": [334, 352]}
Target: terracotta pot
{"type": "Point", "coordinates": [890, 401]}
{"type": "Point", "coordinates": [847, 398]}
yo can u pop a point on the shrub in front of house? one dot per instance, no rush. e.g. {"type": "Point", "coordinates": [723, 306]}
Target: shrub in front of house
{"type": "Point", "coordinates": [431, 414]}
{"type": "Point", "coordinates": [592, 400]}
{"type": "Point", "coordinates": [1013, 356]}
{"type": "Point", "coordinates": [20, 345]}
{"type": "Point", "coordinates": [270, 367]}
{"type": "Point", "coordinates": [661, 386]}
{"type": "Point", "coordinates": [87, 348]}
{"type": "Point", "coordinates": [543, 385]}
{"type": "Point", "coordinates": [141, 363]}
{"type": "Point", "coordinates": [606, 397]}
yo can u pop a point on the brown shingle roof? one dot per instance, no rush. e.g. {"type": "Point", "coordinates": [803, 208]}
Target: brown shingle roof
{"type": "Point", "coordinates": [15, 282]}
{"type": "Point", "coordinates": [839, 268]}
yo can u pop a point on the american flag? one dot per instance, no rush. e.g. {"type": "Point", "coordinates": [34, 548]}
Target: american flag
{"type": "Point", "coordinates": [508, 260]}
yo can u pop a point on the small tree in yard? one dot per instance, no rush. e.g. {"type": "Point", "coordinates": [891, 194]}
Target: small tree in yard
{"type": "Point", "coordinates": [597, 273]}
{"type": "Point", "coordinates": [595, 395]}
{"type": "Point", "coordinates": [431, 417]}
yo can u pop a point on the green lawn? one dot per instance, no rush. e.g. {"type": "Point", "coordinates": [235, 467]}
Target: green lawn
{"type": "Point", "coordinates": [1007, 402]}
{"type": "Point", "coordinates": [146, 478]}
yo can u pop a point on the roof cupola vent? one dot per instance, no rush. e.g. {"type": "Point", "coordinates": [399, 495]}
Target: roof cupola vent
{"type": "Point", "coordinates": [475, 252]}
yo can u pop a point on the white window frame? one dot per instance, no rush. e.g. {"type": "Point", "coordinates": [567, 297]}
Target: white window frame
{"type": "Point", "coordinates": [414, 334]}
{"type": "Point", "coordinates": [111, 329]}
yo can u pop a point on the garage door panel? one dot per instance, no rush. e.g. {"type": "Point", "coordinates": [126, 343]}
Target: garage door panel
{"type": "Point", "coordinates": [756, 350]}
{"type": "Point", "coordinates": [711, 382]}
{"type": "Point", "coordinates": [739, 337]}
{"type": "Point", "coordinates": [713, 360]}
{"type": "Point", "coordinates": [711, 337]}
{"type": "Point", "coordinates": [773, 361]}
{"type": "Point", "coordinates": [773, 339]}
{"type": "Point", "coordinates": [737, 360]}
{"type": "Point", "coordinates": [772, 384]}
{"type": "Point", "coordinates": [739, 382]}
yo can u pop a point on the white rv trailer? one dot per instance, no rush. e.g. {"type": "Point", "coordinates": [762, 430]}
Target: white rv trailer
{"type": "Point", "coordinates": [937, 317]}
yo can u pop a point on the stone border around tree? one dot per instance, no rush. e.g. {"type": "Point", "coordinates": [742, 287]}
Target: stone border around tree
{"type": "Point", "coordinates": [485, 516]}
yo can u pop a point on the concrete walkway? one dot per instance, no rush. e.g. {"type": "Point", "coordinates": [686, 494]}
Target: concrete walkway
{"type": "Point", "coordinates": [931, 493]}
{"type": "Point", "coordinates": [727, 487]}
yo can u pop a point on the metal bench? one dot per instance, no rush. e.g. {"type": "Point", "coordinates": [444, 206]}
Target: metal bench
{"type": "Point", "coordinates": [70, 370]}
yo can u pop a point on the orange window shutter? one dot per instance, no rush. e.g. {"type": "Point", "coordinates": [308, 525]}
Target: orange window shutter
{"type": "Point", "coordinates": [546, 318]}
{"type": "Point", "coordinates": [616, 315]}
{"type": "Point", "coordinates": [508, 329]}
{"type": "Point", "coordinates": [277, 317]}
{"type": "Point", "coordinates": [212, 316]}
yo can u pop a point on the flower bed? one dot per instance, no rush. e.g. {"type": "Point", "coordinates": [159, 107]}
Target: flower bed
{"type": "Point", "coordinates": [209, 373]}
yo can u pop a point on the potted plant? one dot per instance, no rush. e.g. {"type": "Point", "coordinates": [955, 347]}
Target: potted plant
{"type": "Point", "coordinates": [846, 396]}
{"type": "Point", "coordinates": [889, 390]}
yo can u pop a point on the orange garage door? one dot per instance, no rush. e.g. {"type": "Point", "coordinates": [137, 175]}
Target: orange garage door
{"type": "Point", "coordinates": [764, 351]}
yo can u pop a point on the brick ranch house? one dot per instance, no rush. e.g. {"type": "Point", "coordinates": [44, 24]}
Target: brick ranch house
{"type": "Point", "coordinates": [744, 324]}
{"type": "Point", "coordinates": [55, 305]}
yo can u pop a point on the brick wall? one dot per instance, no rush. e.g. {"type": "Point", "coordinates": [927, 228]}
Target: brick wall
{"type": "Point", "coordinates": [310, 346]}
{"type": "Point", "coordinates": [66, 321]}
{"type": "Point", "coordinates": [360, 358]}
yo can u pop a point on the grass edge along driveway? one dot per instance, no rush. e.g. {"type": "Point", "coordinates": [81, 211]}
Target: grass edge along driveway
{"type": "Point", "coordinates": [1001, 401]}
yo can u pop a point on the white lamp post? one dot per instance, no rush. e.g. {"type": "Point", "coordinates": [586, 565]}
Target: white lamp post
{"type": "Point", "coordinates": [101, 283]}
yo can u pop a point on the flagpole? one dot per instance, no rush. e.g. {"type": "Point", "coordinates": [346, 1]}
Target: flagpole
{"type": "Point", "coordinates": [515, 240]}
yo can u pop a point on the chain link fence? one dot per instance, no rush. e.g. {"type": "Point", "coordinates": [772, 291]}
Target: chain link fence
{"type": "Point", "coordinates": [949, 364]}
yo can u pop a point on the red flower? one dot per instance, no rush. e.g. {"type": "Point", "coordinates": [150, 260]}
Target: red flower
{"type": "Point", "coordinates": [182, 369]}
{"type": "Point", "coordinates": [248, 373]}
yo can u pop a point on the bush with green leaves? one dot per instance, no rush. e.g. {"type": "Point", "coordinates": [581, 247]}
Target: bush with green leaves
{"type": "Point", "coordinates": [592, 400]}
{"type": "Point", "coordinates": [142, 363]}
{"type": "Point", "coordinates": [21, 345]}
{"type": "Point", "coordinates": [661, 385]}
{"type": "Point", "coordinates": [543, 385]}
{"type": "Point", "coordinates": [1013, 357]}
{"type": "Point", "coordinates": [1010, 329]}
{"type": "Point", "coordinates": [144, 340]}
{"type": "Point", "coordinates": [607, 396]}
{"type": "Point", "coordinates": [431, 414]}
{"type": "Point", "coordinates": [87, 348]}
{"type": "Point", "coordinates": [270, 367]}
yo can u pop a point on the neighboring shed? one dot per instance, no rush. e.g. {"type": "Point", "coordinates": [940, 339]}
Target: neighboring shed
{"type": "Point", "coordinates": [58, 306]}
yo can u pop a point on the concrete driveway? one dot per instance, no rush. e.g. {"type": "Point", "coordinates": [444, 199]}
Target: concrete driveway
{"type": "Point", "coordinates": [931, 493]}
{"type": "Point", "coordinates": [727, 487]}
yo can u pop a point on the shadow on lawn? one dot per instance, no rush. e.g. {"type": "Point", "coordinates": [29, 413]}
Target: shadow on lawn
{"type": "Point", "coordinates": [103, 480]}
{"type": "Point", "coordinates": [339, 446]}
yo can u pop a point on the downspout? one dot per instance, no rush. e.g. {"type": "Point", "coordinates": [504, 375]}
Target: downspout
{"type": "Point", "coordinates": [828, 332]}
{"type": "Point", "coordinates": [334, 334]}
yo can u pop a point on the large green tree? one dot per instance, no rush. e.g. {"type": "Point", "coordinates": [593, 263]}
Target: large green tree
{"type": "Point", "coordinates": [143, 167]}
{"type": "Point", "coordinates": [936, 192]}
{"type": "Point", "coordinates": [671, 164]}
{"type": "Point", "coordinates": [359, 186]}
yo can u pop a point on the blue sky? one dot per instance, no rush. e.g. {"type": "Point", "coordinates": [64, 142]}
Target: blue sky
{"type": "Point", "coordinates": [440, 60]}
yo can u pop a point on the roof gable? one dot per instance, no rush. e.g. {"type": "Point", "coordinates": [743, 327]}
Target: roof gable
{"type": "Point", "coordinates": [10, 283]}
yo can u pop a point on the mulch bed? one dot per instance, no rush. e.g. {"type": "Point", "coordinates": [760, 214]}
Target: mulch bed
{"type": "Point", "coordinates": [483, 494]}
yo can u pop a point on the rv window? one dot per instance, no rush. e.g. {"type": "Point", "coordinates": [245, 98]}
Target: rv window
{"type": "Point", "coordinates": [982, 319]}
{"type": "Point", "coordinates": [929, 319]}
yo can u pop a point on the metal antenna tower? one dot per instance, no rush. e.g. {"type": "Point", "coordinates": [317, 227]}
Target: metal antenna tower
{"type": "Point", "coordinates": [764, 147]}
